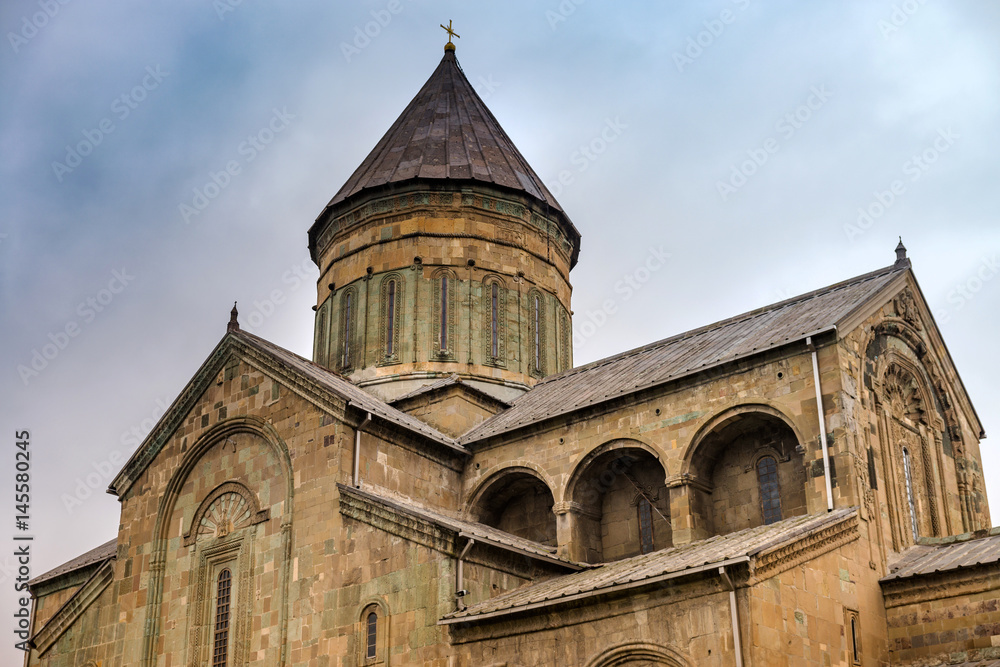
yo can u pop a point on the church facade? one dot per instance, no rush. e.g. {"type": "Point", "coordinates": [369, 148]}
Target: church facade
{"type": "Point", "coordinates": [439, 485]}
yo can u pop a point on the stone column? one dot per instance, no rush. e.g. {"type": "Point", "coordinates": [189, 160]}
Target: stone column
{"type": "Point", "coordinates": [690, 511]}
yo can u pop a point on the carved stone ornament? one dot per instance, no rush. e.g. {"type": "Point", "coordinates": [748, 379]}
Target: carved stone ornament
{"type": "Point", "coordinates": [229, 507]}
{"type": "Point", "coordinates": [906, 309]}
{"type": "Point", "coordinates": [901, 394]}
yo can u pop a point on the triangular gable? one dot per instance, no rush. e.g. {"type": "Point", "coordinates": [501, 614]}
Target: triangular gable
{"type": "Point", "coordinates": [319, 386]}
{"type": "Point", "coordinates": [904, 281]}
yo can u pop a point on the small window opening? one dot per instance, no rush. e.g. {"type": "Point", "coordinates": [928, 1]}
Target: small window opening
{"type": "Point", "coordinates": [908, 474]}
{"type": "Point", "coordinates": [645, 526]}
{"type": "Point", "coordinates": [372, 636]}
{"type": "Point", "coordinates": [770, 496]}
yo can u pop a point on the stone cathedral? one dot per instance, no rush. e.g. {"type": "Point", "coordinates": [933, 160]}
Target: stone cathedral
{"type": "Point", "coordinates": [439, 485]}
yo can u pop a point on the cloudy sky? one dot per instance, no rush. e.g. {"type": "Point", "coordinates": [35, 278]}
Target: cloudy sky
{"type": "Point", "coordinates": [769, 147]}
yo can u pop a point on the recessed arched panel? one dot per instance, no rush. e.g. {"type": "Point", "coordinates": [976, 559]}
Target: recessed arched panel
{"type": "Point", "coordinates": [620, 502]}
{"type": "Point", "coordinates": [516, 500]}
{"type": "Point", "coordinates": [638, 655]}
{"type": "Point", "coordinates": [747, 466]}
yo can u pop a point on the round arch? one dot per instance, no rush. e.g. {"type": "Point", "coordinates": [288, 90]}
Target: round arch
{"type": "Point", "coordinates": [517, 500]}
{"type": "Point", "coordinates": [497, 473]}
{"type": "Point", "coordinates": [623, 655]}
{"type": "Point", "coordinates": [207, 440]}
{"type": "Point", "coordinates": [580, 469]}
{"type": "Point", "coordinates": [727, 416]}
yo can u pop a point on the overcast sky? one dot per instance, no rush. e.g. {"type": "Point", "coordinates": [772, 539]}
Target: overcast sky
{"type": "Point", "coordinates": [740, 136]}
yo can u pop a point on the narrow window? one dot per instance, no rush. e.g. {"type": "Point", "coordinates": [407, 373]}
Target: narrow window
{"type": "Point", "coordinates": [853, 633]}
{"type": "Point", "coordinates": [372, 636]}
{"type": "Point", "coordinates": [537, 319]}
{"type": "Point", "coordinates": [645, 526]}
{"type": "Point", "coordinates": [220, 651]}
{"type": "Point", "coordinates": [495, 321]}
{"type": "Point", "coordinates": [390, 319]}
{"type": "Point", "coordinates": [443, 340]}
{"type": "Point", "coordinates": [908, 474]}
{"type": "Point", "coordinates": [345, 360]}
{"type": "Point", "coordinates": [770, 498]}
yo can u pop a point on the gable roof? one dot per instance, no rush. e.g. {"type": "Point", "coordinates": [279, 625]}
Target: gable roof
{"type": "Point", "coordinates": [106, 551]}
{"type": "Point", "coordinates": [679, 356]}
{"type": "Point", "coordinates": [738, 547]}
{"type": "Point", "coordinates": [444, 383]}
{"type": "Point", "coordinates": [446, 132]}
{"type": "Point", "coordinates": [313, 382]}
{"type": "Point", "coordinates": [463, 527]}
{"type": "Point", "coordinates": [955, 553]}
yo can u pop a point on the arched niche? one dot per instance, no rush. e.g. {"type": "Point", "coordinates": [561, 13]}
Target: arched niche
{"type": "Point", "coordinates": [619, 503]}
{"type": "Point", "coordinates": [638, 654]}
{"type": "Point", "coordinates": [516, 500]}
{"type": "Point", "coordinates": [728, 473]}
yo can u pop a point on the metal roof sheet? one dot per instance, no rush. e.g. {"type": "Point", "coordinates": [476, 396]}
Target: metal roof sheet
{"type": "Point", "coordinates": [356, 396]}
{"type": "Point", "coordinates": [694, 556]}
{"type": "Point", "coordinates": [99, 554]}
{"type": "Point", "coordinates": [964, 551]}
{"type": "Point", "coordinates": [446, 132]}
{"type": "Point", "coordinates": [688, 353]}
{"type": "Point", "coordinates": [465, 527]}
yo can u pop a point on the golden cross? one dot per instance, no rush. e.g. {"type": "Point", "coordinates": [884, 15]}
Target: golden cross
{"type": "Point", "coordinates": [451, 33]}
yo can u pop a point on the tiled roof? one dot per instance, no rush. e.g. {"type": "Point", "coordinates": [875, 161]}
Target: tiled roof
{"type": "Point", "coordinates": [964, 551]}
{"type": "Point", "coordinates": [104, 552]}
{"type": "Point", "coordinates": [335, 383]}
{"type": "Point", "coordinates": [688, 353]}
{"type": "Point", "coordinates": [446, 132]}
{"type": "Point", "coordinates": [693, 557]}
{"type": "Point", "coordinates": [478, 531]}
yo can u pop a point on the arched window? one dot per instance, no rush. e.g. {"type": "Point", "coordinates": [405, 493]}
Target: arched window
{"type": "Point", "coordinates": [322, 334]}
{"type": "Point", "coordinates": [536, 314]}
{"type": "Point", "coordinates": [220, 644]}
{"type": "Point", "coordinates": [565, 340]}
{"type": "Point", "coordinates": [908, 474]}
{"type": "Point", "coordinates": [645, 525]}
{"type": "Point", "coordinates": [770, 497]}
{"type": "Point", "coordinates": [371, 636]}
{"type": "Point", "coordinates": [444, 313]}
{"type": "Point", "coordinates": [494, 321]}
{"type": "Point", "coordinates": [348, 314]}
{"type": "Point", "coordinates": [392, 295]}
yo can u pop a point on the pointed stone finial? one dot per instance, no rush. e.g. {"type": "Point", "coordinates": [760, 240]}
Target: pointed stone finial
{"type": "Point", "coordinates": [450, 46]}
{"type": "Point", "coordinates": [234, 324]}
{"type": "Point", "coordinates": [901, 254]}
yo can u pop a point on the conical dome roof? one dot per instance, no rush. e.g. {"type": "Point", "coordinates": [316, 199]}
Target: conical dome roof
{"type": "Point", "coordinates": [446, 132]}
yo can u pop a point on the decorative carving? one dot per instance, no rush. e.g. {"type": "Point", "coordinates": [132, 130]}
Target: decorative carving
{"type": "Point", "coordinates": [237, 554]}
{"type": "Point", "coordinates": [494, 349]}
{"type": "Point", "coordinates": [786, 557]}
{"type": "Point", "coordinates": [902, 396]}
{"type": "Point", "coordinates": [906, 308]}
{"type": "Point", "coordinates": [229, 507]}
{"type": "Point", "coordinates": [391, 320]}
